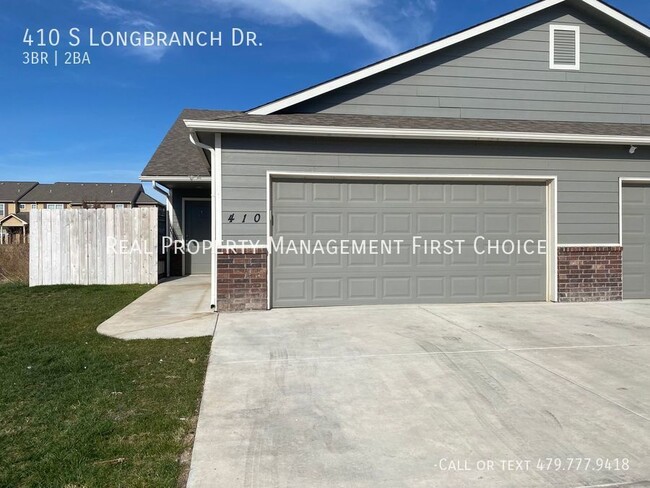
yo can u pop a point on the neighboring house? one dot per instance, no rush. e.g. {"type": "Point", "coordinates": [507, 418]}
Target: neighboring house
{"type": "Point", "coordinates": [70, 195]}
{"type": "Point", "coordinates": [85, 195]}
{"type": "Point", "coordinates": [534, 125]}
{"type": "Point", "coordinates": [10, 194]}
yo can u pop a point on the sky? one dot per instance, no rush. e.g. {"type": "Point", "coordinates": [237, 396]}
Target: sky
{"type": "Point", "coordinates": [102, 121]}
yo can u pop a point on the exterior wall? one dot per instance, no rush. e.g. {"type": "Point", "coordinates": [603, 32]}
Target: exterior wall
{"type": "Point", "coordinates": [506, 74]}
{"type": "Point", "coordinates": [241, 281]}
{"type": "Point", "coordinates": [590, 274]}
{"type": "Point", "coordinates": [588, 210]}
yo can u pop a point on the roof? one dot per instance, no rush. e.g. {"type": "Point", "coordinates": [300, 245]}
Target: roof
{"type": "Point", "coordinates": [398, 127]}
{"type": "Point", "coordinates": [616, 16]}
{"type": "Point", "coordinates": [176, 155]}
{"type": "Point", "coordinates": [63, 192]}
{"type": "Point", "coordinates": [144, 199]}
{"type": "Point", "coordinates": [441, 123]}
{"type": "Point", "coordinates": [11, 191]}
{"type": "Point", "coordinates": [23, 216]}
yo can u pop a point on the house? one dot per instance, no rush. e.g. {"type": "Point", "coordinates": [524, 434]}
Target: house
{"type": "Point", "coordinates": [10, 194]}
{"type": "Point", "coordinates": [533, 127]}
{"type": "Point", "coordinates": [68, 195]}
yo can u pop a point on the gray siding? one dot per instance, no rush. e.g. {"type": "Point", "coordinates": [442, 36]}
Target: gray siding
{"type": "Point", "coordinates": [587, 176]}
{"type": "Point", "coordinates": [506, 74]}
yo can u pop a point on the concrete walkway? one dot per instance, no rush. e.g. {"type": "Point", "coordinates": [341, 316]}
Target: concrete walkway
{"type": "Point", "coordinates": [174, 309]}
{"type": "Point", "coordinates": [428, 396]}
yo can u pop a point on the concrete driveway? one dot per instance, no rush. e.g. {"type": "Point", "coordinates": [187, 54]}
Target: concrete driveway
{"type": "Point", "coordinates": [425, 396]}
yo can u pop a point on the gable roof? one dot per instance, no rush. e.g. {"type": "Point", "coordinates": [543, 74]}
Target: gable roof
{"type": "Point", "coordinates": [22, 216]}
{"type": "Point", "coordinates": [608, 11]}
{"type": "Point", "coordinates": [144, 199]}
{"type": "Point", "coordinates": [63, 192]}
{"type": "Point", "coordinates": [11, 191]}
{"type": "Point", "coordinates": [176, 155]}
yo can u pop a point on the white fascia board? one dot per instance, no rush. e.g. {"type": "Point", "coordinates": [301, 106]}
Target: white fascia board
{"type": "Point", "coordinates": [416, 53]}
{"type": "Point", "coordinates": [162, 179]}
{"type": "Point", "coordinates": [619, 16]}
{"type": "Point", "coordinates": [434, 134]}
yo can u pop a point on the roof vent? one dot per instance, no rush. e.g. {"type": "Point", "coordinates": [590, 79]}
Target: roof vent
{"type": "Point", "coordinates": [565, 47]}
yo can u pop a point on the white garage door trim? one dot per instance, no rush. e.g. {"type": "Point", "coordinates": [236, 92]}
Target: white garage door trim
{"type": "Point", "coordinates": [551, 208]}
{"type": "Point", "coordinates": [183, 200]}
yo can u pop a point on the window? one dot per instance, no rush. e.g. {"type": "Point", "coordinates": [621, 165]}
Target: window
{"type": "Point", "coordinates": [2, 209]}
{"type": "Point", "coordinates": [22, 206]}
{"type": "Point", "coordinates": [565, 47]}
{"type": "Point", "coordinates": [34, 206]}
{"type": "Point", "coordinates": [119, 205]}
{"type": "Point", "coordinates": [54, 206]}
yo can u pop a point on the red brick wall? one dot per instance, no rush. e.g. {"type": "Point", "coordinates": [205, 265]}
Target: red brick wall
{"type": "Point", "coordinates": [590, 274]}
{"type": "Point", "coordinates": [241, 280]}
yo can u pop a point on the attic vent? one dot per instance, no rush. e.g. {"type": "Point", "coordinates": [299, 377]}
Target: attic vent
{"type": "Point", "coordinates": [565, 47]}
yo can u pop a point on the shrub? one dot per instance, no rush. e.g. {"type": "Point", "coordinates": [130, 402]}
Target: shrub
{"type": "Point", "coordinates": [14, 263]}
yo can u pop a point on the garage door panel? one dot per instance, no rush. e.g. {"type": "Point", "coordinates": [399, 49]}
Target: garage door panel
{"type": "Point", "coordinates": [362, 288]}
{"type": "Point", "coordinates": [430, 193]}
{"type": "Point", "coordinates": [362, 192]}
{"type": "Point", "coordinates": [324, 192]}
{"type": "Point", "coordinates": [327, 223]}
{"type": "Point", "coordinates": [398, 193]}
{"type": "Point", "coordinates": [327, 289]}
{"type": "Point", "coordinates": [464, 194]}
{"type": "Point", "coordinates": [362, 224]}
{"type": "Point", "coordinates": [399, 210]}
{"type": "Point", "coordinates": [430, 223]}
{"type": "Point", "coordinates": [636, 242]}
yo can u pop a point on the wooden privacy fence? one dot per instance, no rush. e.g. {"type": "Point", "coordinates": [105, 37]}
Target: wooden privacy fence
{"type": "Point", "coordinates": [101, 246]}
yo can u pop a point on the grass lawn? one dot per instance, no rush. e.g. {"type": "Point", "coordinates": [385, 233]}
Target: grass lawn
{"type": "Point", "coordinates": [78, 409]}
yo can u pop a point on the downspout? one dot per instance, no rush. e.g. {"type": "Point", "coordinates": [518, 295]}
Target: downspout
{"type": "Point", "coordinates": [168, 220]}
{"type": "Point", "coordinates": [215, 200]}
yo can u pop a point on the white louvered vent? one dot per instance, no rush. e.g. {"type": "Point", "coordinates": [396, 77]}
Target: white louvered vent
{"type": "Point", "coordinates": [565, 47]}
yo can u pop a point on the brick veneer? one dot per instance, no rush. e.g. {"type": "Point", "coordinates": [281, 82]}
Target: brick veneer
{"type": "Point", "coordinates": [241, 280]}
{"type": "Point", "coordinates": [590, 274]}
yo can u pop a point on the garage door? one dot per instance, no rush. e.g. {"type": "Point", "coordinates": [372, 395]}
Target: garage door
{"type": "Point", "coordinates": [636, 242]}
{"type": "Point", "coordinates": [313, 210]}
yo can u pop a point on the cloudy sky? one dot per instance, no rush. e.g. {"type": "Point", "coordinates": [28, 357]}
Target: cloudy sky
{"type": "Point", "coordinates": [102, 122]}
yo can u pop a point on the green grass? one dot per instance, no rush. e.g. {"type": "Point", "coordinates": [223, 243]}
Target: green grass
{"type": "Point", "coordinates": [78, 409]}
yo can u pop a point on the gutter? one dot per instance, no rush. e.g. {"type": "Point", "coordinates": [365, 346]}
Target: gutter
{"type": "Point", "coordinates": [215, 200]}
{"type": "Point", "coordinates": [397, 133]}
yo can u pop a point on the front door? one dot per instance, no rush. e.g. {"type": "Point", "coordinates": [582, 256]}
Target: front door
{"type": "Point", "coordinates": [197, 230]}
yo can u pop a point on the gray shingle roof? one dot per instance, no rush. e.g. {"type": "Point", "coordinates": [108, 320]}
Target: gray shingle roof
{"type": "Point", "coordinates": [176, 155]}
{"type": "Point", "coordinates": [144, 199]}
{"type": "Point", "coordinates": [83, 192]}
{"type": "Point", "coordinates": [395, 122]}
{"type": "Point", "coordinates": [11, 191]}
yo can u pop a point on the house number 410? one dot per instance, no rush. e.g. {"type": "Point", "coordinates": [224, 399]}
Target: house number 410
{"type": "Point", "coordinates": [244, 218]}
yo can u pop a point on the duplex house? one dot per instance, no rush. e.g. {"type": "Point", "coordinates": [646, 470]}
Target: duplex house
{"type": "Point", "coordinates": [10, 193]}
{"type": "Point", "coordinates": [67, 195]}
{"type": "Point", "coordinates": [533, 127]}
